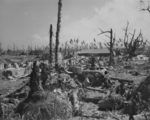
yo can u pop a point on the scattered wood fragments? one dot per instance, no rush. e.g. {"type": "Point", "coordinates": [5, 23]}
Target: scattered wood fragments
{"type": "Point", "coordinates": [67, 91]}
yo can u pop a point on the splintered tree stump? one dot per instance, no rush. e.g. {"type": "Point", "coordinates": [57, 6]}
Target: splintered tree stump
{"type": "Point", "coordinates": [35, 80]}
{"type": "Point", "coordinates": [41, 104]}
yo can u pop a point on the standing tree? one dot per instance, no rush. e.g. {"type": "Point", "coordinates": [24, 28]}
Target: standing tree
{"type": "Point", "coordinates": [110, 44]}
{"type": "Point", "coordinates": [57, 33]}
{"type": "Point", "coordinates": [50, 44]}
{"type": "Point", "coordinates": [1, 49]}
{"type": "Point", "coordinates": [100, 45]}
{"type": "Point", "coordinates": [133, 44]}
{"type": "Point", "coordinates": [77, 42]}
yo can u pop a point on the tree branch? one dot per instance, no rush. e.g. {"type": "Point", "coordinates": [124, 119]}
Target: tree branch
{"type": "Point", "coordinates": [145, 9]}
{"type": "Point", "coordinates": [107, 36]}
{"type": "Point", "coordinates": [126, 30]}
{"type": "Point", "coordinates": [102, 32]}
{"type": "Point", "coordinates": [107, 46]}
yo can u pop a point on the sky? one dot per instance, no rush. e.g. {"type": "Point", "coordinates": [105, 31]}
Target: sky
{"type": "Point", "coordinates": [26, 22]}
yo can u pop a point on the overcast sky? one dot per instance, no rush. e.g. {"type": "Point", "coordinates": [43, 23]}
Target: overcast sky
{"type": "Point", "coordinates": [26, 22]}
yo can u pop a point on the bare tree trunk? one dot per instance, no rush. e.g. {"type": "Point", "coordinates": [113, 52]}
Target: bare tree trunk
{"type": "Point", "coordinates": [57, 33]}
{"type": "Point", "coordinates": [35, 80]}
{"type": "Point", "coordinates": [111, 46]}
{"type": "Point", "coordinates": [1, 49]}
{"type": "Point", "coordinates": [50, 44]}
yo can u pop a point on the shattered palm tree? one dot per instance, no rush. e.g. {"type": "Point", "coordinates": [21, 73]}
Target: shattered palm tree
{"type": "Point", "coordinates": [131, 43]}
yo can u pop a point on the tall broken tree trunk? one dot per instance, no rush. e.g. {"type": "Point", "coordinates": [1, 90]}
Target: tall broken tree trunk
{"type": "Point", "coordinates": [111, 46]}
{"type": "Point", "coordinates": [50, 44]}
{"type": "Point", "coordinates": [1, 49]}
{"type": "Point", "coordinates": [57, 33]}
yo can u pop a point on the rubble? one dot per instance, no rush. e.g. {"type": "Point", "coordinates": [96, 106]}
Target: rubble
{"type": "Point", "coordinates": [76, 92]}
{"type": "Point", "coordinates": [16, 73]}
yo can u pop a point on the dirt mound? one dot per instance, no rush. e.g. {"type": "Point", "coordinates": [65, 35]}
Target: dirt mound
{"type": "Point", "coordinates": [45, 106]}
{"type": "Point", "coordinates": [144, 89]}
